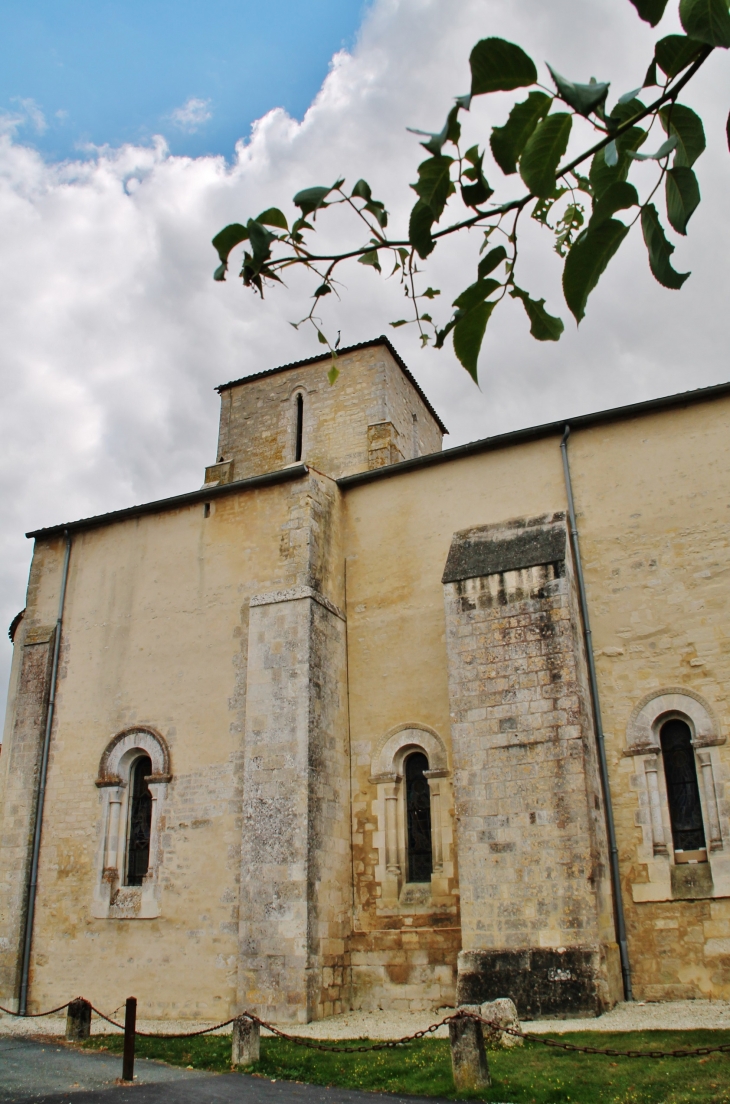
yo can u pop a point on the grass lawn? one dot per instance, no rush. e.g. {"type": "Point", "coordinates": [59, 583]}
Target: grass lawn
{"type": "Point", "coordinates": [532, 1074]}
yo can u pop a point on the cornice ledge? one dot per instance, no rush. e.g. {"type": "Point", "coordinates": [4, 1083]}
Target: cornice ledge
{"type": "Point", "coordinates": [293, 594]}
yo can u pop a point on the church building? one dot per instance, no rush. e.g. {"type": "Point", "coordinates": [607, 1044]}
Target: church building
{"type": "Point", "coordinates": [364, 723]}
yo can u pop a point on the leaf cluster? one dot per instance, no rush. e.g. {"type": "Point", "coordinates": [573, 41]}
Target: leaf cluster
{"type": "Point", "coordinates": [588, 210]}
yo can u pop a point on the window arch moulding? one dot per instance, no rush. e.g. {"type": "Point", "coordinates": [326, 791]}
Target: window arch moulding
{"type": "Point", "coordinates": [112, 898]}
{"type": "Point", "coordinates": [388, 768]}
{"type": "Point", "coordinates": [666, 880]}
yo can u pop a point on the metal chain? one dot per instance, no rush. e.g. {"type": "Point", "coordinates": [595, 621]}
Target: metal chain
{"type": "Point", "coordinates": [390, 1044]}
{"type": "Point", "coordinates": [34, 1015]}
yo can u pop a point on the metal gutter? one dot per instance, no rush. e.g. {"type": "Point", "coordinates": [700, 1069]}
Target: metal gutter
{"type": "Point", "coordinates": [618, 905]}
{"type": "Point", "coordinates": [161, 505]}
{"type": "Point", "coordinates": [537, 433]}
{"type": "Point", "coordinates": [41, 797]}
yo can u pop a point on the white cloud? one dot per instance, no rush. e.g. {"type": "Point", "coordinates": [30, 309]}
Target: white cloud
{"type": "Point", "coordinates": [192, 115]}
{"type": "Point", "coordinates": [113, 334]}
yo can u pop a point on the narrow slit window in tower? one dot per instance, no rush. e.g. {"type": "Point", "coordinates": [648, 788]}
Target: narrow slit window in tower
{"type": "Point", "coordinates": [418, 819]}
{"type": "Point", "coordinates": [140, 821]}
{"type": "Point", "coordinates": [300, 427]}
{"type": "Point", "coordinates": [683, 795]}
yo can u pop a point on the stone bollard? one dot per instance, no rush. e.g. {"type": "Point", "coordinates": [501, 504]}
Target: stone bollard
{"type": "Point", "coordinates": [246, 1047]}
{"type": "Point", "coordinates": [78, 1020]}
{"type": "Point", "coordinates": [468, 1056]}
{"type": "Point", "coordinates": [503, 1013]}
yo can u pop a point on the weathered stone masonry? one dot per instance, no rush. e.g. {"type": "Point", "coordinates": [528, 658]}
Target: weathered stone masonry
{"type": "Point", "coordinates": [532, 867]}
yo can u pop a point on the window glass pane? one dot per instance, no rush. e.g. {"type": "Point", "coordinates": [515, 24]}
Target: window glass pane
{"type": "Point", "coordinates": [140, 822]}
{"type": "Point", "coordinates": [418, 808]}
{"type": "Point", "coordinates": [683, 795]}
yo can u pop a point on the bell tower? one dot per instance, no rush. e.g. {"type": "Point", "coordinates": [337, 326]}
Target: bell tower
{"type": "Point", "coordinates": [372, 415]}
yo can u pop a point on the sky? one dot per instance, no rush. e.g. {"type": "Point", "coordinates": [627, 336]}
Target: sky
{"type": "Point", "coordinates": [180, 119]}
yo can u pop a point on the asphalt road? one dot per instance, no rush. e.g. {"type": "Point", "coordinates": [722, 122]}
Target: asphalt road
{"type": "Point", "coordinates": [45, 1072]}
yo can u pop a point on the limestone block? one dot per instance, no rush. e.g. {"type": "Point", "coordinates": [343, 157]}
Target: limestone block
{"type": "Point", "coordinates": [503, 1013]}
{"type": "Point", "coordinates": [468, 1056]}
{"type": "Point", "coordinates": [78, 1020]}
{"type": "Point", "coordinates": [246, 1045]}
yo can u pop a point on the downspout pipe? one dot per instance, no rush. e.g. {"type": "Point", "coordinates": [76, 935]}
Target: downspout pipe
{"type": "Point", "coordinates": [41, 797]}
{"type": "Point", "coordinates": [618, 906]}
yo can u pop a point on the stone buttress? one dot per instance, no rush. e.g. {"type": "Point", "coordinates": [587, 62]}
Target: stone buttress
{"type": "Point", "coordinates": [535, 898]}
{"type": "Point", "coordinates": [295, 902]}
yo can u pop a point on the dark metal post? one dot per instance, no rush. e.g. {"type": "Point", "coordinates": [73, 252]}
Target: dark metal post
{"type": "Point", "coordinates": [130, 1023]}
{"type": "Point", "coordinates": [618, 904]}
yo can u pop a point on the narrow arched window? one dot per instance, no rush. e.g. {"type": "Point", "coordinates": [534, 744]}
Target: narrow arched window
{"type": "Point", "coordinates": [300, 427]}
{"type": "Point", "coordinates": [683, 795]}
{"type": "Point", "coordinates": [418, 819]}
{"type": "Point", "coordinates": [140, 821]}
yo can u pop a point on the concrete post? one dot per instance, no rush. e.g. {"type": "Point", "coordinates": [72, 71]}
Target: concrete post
{"type": "Point", "coordinates": [468, 1056]}
{"type": "Point", "coordinates": [246, 1047]}
{"type": "Point", "coordinates": [78, 1020]}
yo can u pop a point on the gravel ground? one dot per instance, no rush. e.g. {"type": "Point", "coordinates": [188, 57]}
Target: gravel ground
{"type": "Point", "coordinates": [676, 1015]}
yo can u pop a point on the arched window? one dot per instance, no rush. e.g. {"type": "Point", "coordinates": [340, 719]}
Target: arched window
{"type": "Point", "coordinates": [683, 795]}
{"type": "Point", "coordinates": [140, 822]}
{"type": "Point", "coordinates": [300, 427]}
{"type": "Point", "coordinates": [418, 818]}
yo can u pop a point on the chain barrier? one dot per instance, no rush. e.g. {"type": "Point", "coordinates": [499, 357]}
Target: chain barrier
{"type": "Point", "coordinates": [34, 1015]}
{"type": "Point", "coordinates": [390, 1044]}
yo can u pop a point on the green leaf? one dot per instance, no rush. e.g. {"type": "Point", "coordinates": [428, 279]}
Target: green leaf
{"type": "Point", "coordinates": [664, 150]}
{"type": "Point", "coordinates": [587, 261]}
{"type": "Point", "coordinates": [419, 229]}
{"type": "Point", "coordinates": [469, 334]}
{"type": "Point", "coordinates": [430, 293]}
{"type": "Point", "coordinates": [650, 11]}
{"type": "Point", "coordinates": [434, 184]}
{"type": "Point", "coordinates": [370, 258]}
{"type": "Point", "coordinates": [362, 191]}
{"type": "Point", "coordinates": [707, 20]}
{"type": "Point", "coordinates": [321, 338]}
{"type": "Point", "coordinates": [650, 80]}
{"type": "Point", "coordinates": [675, 52]}
{"type": "Point", "coordinates": [623, 111]}
{"type": "Point", "coordinates": [333, 372]}
{"type": "Point", "coordinates": [507, 142]}
{"type": "Point", "coordinates": [272, 216]}
{"type": "Point", "coordinates": [610, 154]}
{"type": "Point", "coordinates": [451, 132]}
{"type": "Point", "coordinates": [479, 191]}
{"type": "Point", "coordinates": [543, 326]}
{"type": "Point", "coordinates": [683, 197]}
{"type": "Point", "coordinates": [583, 98]}
{"type": "Point", "coordinates": [499, 66]}
{"type": "Point", "coordinates": [220, 272]}
{"type": "Point", "coordinates": [660, 250]}
{"type": "Point", "coordinates": [493, 258]}
{"type": "Point", "coordinates": [401, 322]}
{"type": "Point", "coordinates": [475, 294]}
{"type": "Point", "coordinates": [377, 209]}
{"type": "Point", "coordinates": [229, 237]}
{"type": "Point", "coordinates": [618, 197]}
{"type": "Point", "coordinates": [261, 240]}
{"type": "Point", "coordinates": [603, 175]}
{"type": "Point", "coordinates": [311, 199]}
{"type": "Point", "coordinates": [543, 152]}
{"type": "Point", "coordinates": [323, 289]}
{"type": "Point", "coordinates": [682, 121]}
